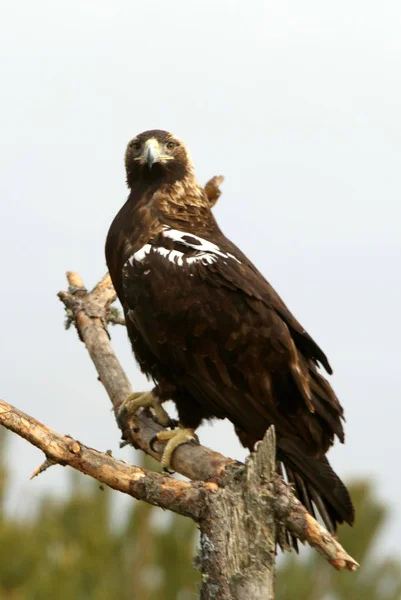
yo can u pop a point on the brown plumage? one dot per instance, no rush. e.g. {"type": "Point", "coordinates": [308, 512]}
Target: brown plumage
{"type": "Point", "coordinates": [210, 330]}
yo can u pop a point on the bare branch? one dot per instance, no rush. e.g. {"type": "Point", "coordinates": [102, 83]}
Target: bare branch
{"type": "Point", "coordinates": [46, 464]}
{"type": "Point", "coordinates": [297, 519]}
{"type": "Point", "coordinates": [193, 461]}
{"type": "Point", "coordinates": [161, 490]}
{"type": "Point", "coordinates": [75, 281]}
{"type": "Point", "coordinates": [242, 509]}
{"type": "Point", "coordinates": [115, 317]}
{"type": "Point", "coordinates": [212, 189]}
{"type": "Point", "coordinates": [201, 464]}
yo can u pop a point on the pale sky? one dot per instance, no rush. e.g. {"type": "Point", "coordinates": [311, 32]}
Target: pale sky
{"type": "Point", "coordinates": [296, 103]}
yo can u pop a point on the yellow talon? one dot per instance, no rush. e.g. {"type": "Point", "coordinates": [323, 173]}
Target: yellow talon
{"type": "Point", "coordinates": [144, 400]}
{"type": "Point", "coordinates": [175, 438]}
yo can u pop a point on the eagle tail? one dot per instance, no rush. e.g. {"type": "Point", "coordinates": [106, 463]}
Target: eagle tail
{"type": "Point", "coordinates": [316, 485]}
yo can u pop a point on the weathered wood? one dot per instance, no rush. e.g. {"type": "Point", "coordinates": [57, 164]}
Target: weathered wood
{"type": "Point", "coordinates": [241, 509]}
{"type": "Point", "coordinates": [238, 531]}
{"type": "Point", "coordinates": [157, 489]}
{"type": "Point", "coordinates": [292, 513]}
{"type": "Point", "coordinates": [197, 463]}
{"type": "Point", "coordinates": [194, 461]}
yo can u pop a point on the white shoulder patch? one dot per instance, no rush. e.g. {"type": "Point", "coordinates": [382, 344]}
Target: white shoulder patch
{"type": "Point", "coordinates": [202, 257]}
{"type": "Point", "coordinates": [196, 243]}
{"type": "Point", "coordinates": [140, 254]}
{"type": "Point", "coordinates": [176, 255]}
{"type": "Point", "coordinates": [207, 252]}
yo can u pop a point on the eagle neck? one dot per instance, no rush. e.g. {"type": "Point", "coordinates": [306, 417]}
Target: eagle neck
{"type": "Point", "coordinates": [184, 203]}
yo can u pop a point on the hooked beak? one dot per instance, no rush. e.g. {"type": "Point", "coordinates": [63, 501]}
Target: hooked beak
{"type": "Point", "coordinates": [151, 152]}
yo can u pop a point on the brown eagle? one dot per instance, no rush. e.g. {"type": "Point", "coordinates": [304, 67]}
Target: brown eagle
{"type": "Point", "coordinates": [212, 333]}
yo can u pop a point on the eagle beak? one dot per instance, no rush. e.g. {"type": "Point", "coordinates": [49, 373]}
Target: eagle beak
{"type": "Point", "coordinates": [151, 152]}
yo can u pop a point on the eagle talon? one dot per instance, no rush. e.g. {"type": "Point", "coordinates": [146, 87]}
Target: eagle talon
{"type": "Point", "coordinates": [168, 471]}
{"type": "Point", "coordinates": [121, 416]}
{"type": "Point", "coordinates": [170, 423]}
{"type": "Point", "coordinates": [143, 400]}
{"type": "Point", "coordinates": [152, 442]}
{"type": "Point", "coordinates": [174, 439]}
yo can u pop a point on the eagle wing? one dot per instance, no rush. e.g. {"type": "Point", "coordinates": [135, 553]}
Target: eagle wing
{"type": "Point", "coordinates": [219, 331]}
{"type": "Point", "coordinates": [252, 282]}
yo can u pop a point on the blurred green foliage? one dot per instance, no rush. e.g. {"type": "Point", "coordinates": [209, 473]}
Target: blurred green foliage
{"type": "Point", "coordinates": [75, 548]}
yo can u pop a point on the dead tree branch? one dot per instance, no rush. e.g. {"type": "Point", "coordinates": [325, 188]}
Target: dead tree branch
{"type": "Point", "coordinates": [240, 508]}
{"type": "Point", "coordinates": [212, 189]}
{"type": "Point", "coordinates": [155, 488]}
{"type": "Point", "coordinates": [198, 463]}
{"type": "Point", "coordinates": [195, 462]}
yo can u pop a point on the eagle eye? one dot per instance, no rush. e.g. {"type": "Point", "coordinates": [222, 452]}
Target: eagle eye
{"type": "Point", "coordinates": [136, 145]}
{"type": "Point", "coordinates": [171, 145]}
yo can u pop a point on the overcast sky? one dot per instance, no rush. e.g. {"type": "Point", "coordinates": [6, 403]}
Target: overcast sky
{"type": "Point", "coordinates": [296, 103]}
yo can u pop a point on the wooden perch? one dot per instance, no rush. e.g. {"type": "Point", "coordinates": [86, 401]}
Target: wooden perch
{"type": "Point", "coordinates": [155, 488]}
{"type": "Point", "coordinates": [193, 461]}
{"type": "Point", "coordinates": [212, 189]}
{"type": "Point", "coordinates": [241, 509]}
{"type": "Point", "coordinates": [198, 463]}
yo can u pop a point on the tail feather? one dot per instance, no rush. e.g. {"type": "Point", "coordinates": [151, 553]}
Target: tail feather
{"type": "Point", "coordinates": [286, 540]}
{"type": "Point", "coordinates": [315, 481]}
{"type": "Point", "coordinates": [329, 516]}
{"type": "Point", "coordinates": [304, 494]}
{"type": "Point", "coordinates": [291, 479]}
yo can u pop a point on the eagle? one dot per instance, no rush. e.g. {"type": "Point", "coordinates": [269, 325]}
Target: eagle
{"type": "Point", "coordinates": [212, 333]}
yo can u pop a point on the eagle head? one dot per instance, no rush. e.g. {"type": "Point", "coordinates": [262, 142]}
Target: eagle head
{"type": "Point", "coordinates": [156, 157]}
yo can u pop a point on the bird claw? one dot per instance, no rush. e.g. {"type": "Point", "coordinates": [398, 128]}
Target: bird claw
{"type": "Point", "coordinates": [144, 400]}
{"type": "Point", "coordinates": [170, 422]}
{"type": "Point", "coordinates": [174, 439]}
{"type": "Point", "coordinates": [168, 471]}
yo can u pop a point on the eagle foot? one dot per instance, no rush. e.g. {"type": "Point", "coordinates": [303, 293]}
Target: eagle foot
{"type": "Point", "coordinates": [174, 439]}
{"type": "Point", "coordinates": [144, 400]}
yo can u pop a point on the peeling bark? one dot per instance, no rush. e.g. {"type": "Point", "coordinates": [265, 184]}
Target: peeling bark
{"type": "Point", "coordinates": [238, 531]}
